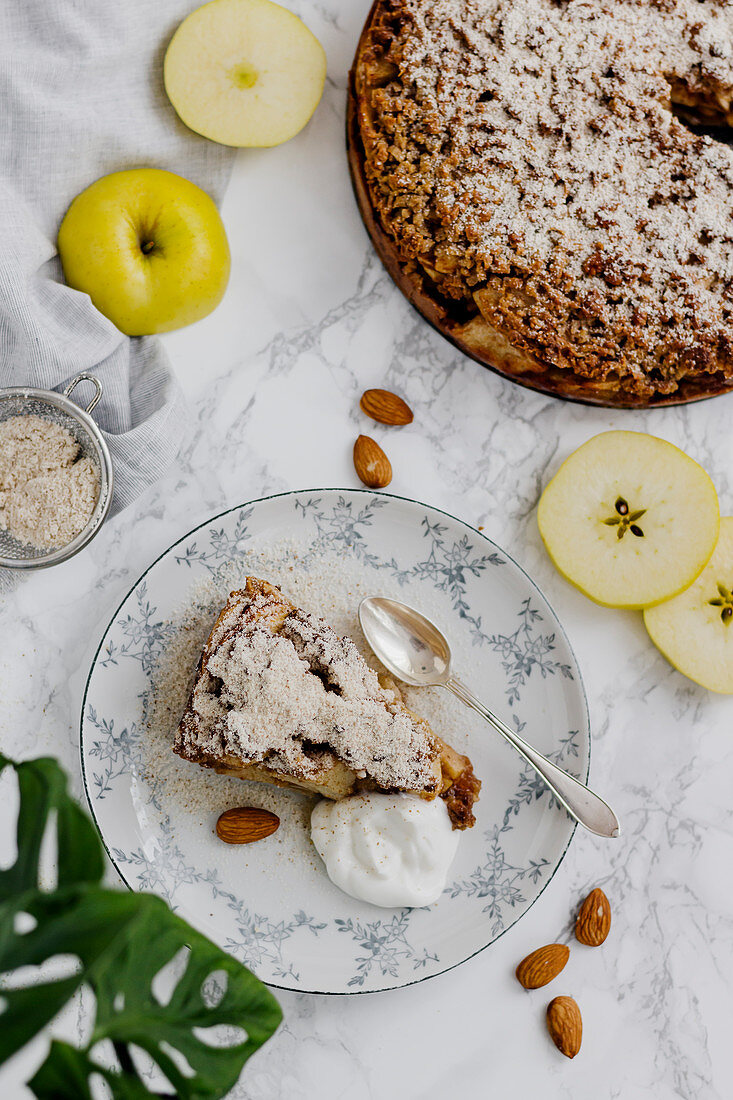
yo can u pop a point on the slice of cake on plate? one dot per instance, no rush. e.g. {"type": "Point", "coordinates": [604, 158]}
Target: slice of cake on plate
{"type": "Point", "coordinates": [280, 698]}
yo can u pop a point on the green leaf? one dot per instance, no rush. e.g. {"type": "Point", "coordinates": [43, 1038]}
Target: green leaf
{"type": "Point", "coordinates": [42, 786]}
{"type": "Point", "coordinates": [117, 942]}
{"type": "Point", "coordinates": [65, 1076]}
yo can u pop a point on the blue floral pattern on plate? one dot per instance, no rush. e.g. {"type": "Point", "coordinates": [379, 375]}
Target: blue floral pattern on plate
{"type": "Point", "coordinates": [302, 933]}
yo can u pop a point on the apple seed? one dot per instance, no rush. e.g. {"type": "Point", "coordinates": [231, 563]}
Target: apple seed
{"type": "Point", "coordinates": [625, 520]}
{"type": "Point", "coordinates": [724, 600]}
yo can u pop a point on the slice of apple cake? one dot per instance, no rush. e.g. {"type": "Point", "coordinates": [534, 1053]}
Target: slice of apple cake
{"type": "Point", "coordinates": [280, 698]}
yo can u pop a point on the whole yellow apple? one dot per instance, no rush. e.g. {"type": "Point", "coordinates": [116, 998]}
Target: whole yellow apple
{"type": "Point", "coordinates": [148, 247]}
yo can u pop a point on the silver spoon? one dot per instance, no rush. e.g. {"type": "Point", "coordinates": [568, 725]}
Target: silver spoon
{"type": "Point", "coordinates": [415, 651]}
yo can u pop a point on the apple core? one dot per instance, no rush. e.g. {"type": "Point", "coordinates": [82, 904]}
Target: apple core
{"type": "Point", "coordinates": [243, 76]}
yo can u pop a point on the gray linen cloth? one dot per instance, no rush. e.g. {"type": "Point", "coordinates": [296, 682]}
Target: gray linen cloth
{"type": "Point", "coordinates": [81, 95]}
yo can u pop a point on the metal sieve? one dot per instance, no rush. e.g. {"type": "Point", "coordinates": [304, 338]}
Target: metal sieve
{"type": "Point", "coordinates": [57, 407]}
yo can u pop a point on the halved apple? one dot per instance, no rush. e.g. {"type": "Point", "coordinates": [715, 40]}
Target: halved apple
{"type": "Point", "coordinates": [629, 519]}
{"type": "Point", "coordinates": [694, 631]}
{"type": "Point", "coordinates": [244, 72]}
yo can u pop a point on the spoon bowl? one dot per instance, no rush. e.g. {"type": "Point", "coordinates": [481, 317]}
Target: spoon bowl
{"type": "Point", "coordinates": [414, 650]}
{"type": "Point", "coordinates": [408, 645]}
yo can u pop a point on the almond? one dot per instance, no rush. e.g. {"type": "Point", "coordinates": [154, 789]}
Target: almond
{"type": "Point", "coordinates": [371, 463]}
{"type": "Point", "coordinates": [386, 407]}
{"type": "Point", "coordinates": [245, 824]}
{"type": "Point", "coordinates": [565, 1025]}
{"type": "Point", "coordinates": [593, 922]}
{"type": "Point", "coordinates": [542, 965]}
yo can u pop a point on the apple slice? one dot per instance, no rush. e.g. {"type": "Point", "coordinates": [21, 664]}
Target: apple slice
{"type": "Point", "coordinates": [694, 631]}
{"type": "Point", "coordinates": [244, 72]}
{"type": "Point", "coordinates": [629, 519]}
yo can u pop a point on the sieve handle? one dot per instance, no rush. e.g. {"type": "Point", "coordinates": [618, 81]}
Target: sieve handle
{"type": "Point", "coordinates": [84, 377]}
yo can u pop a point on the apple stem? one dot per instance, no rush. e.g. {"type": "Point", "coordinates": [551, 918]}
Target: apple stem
{"type": "Point", "coordinates": [146, 247]}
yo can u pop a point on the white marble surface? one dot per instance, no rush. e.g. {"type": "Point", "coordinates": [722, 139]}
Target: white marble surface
{"type": "Point", "coordinates": [273, 377]}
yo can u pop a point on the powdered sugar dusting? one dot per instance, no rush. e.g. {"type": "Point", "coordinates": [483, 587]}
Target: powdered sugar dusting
{"type": "Point", "coordinates": [525, 155]}
{"type": "Point", "coordinates": [330, 586]}
{"type": "Point", "coordinates": [287, 691]}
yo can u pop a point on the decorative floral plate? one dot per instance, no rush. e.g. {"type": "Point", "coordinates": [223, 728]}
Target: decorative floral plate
{"type": "Point", "coordinates": [271, 903]}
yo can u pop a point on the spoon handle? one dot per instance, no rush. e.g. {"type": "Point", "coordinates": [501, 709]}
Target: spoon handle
{"type": "Point", "coordinates": [585, 806]}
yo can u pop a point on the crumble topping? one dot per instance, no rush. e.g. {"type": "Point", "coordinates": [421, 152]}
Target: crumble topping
{"type": "Point", "coordinates": [524, 157]}
{"type": "Point", "coordinates": [278, 686]}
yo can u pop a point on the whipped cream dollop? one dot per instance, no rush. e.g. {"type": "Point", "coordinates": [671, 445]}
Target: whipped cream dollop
{"type": "Point", "coordinates": [390, 850]}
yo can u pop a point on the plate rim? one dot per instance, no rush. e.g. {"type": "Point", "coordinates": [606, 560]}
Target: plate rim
{"type": "Point", "coordinates": [365, 492]}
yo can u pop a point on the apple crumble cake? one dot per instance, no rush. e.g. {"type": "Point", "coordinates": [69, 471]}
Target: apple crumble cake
{"type": "Point", "coordinates": [528, 175]}
{"type": "Point", "coordinates": [280, 698]}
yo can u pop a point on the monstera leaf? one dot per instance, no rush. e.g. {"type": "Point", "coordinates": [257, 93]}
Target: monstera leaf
{"type": "Point", "coordinates": [116, 944]}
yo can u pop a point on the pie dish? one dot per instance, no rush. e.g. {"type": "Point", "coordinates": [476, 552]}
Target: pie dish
{"type": "Point", "coordinates": [528, 174]}
{"type": "Point", "coordinates": [280, 698]}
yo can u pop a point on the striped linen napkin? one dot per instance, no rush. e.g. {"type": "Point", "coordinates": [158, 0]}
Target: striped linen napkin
{"type": "Point", "coordinates": [81, 95]}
